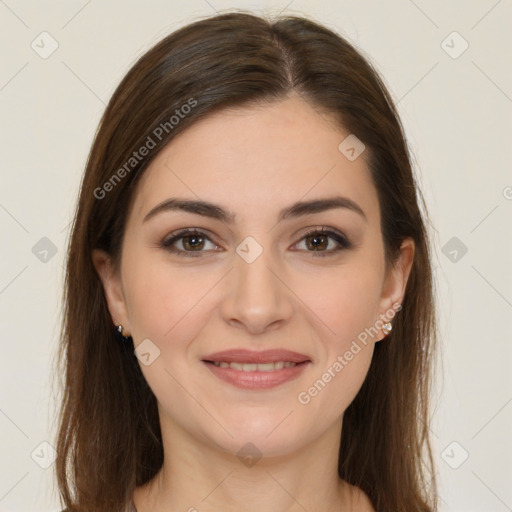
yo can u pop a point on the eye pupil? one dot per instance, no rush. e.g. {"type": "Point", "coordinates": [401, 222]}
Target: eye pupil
{"type": "Point", "coordinates": [193, 242]}
{"type": "Point", "coordinates": [318, 241]}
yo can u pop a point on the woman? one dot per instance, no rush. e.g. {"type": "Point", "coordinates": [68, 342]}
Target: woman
{"type": "Point", "coordinates": [249, 321]}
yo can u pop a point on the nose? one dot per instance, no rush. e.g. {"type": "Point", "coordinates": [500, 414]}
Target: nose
{"type": "Point", "coordinates": [257, 298]}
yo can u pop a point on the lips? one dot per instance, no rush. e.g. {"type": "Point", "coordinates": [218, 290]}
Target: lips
{"type": "Point", "coordinates": [256, 370]}
{"type": "Point", "coordinates": [242, 356]}
{"type": "Point", "coordinates": [253, 367]}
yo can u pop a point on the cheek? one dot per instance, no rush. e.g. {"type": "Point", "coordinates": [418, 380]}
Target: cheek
{"type": "Point", "coordinates": [346, 347]}
{"type": "Point", "coordinates": [170, 306]}
{"type": "Point", "coordinates": [346, 300]}
{"type": "Point", "coordinates": [347, 309]}
{"type": "Point", "coordinates": [161, 299]}
{"type": "Point", "coordinates": [337, 383]}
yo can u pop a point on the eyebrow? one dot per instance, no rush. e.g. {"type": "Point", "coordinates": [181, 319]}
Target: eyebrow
{"type": "Point", "coordinates": [298, 209]}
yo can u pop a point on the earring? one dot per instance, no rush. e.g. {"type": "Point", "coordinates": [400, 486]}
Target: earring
{"type": "Point", "coordinates": [387, 327]}
{"type": "Point", "coordinates": [121, 336]}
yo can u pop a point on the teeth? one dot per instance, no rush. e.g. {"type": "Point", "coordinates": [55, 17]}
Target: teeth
{"type": "Point", "coordinates": [253, 367]}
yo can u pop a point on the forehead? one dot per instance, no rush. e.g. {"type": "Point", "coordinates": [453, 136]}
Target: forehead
{"type": "Point", "coordinates": [256, 159]}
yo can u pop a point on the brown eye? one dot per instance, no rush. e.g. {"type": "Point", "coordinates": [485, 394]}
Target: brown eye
{"type": "Point", "coordinates": [188, 242]}
{"type": "Point", "coordinates": [317, 242]}
{"type": "Point", "coordinates": [193, 242]}
{"type": "Point", "coordinates": [324, 242]}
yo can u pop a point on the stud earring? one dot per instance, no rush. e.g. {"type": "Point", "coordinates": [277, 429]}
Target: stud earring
{"type": "Point", "coordinates": [121, 336]}
{"type": "Point", "coordinates": [387, 328]}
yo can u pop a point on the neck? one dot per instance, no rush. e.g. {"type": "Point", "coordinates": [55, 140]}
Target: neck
{"type": "Point", "coordinates": [197, 476]}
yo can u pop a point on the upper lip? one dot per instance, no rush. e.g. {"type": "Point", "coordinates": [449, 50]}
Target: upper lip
{"type": "Point", "coordinates": [251, 356]}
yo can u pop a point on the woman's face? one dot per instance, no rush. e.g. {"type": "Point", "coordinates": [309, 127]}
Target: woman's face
{"type": "Point", "coordinates": [251, 278]}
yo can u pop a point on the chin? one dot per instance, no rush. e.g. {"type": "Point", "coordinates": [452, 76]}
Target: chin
{"type": "Point", "coordinates": [268, 435]}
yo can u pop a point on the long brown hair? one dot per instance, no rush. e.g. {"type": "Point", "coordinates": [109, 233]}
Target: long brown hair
{"type": "Point", "coordinates": [109, 439]}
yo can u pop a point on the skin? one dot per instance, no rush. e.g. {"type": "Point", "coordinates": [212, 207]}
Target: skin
{"type": "Point", "coordinates": [253, 161]}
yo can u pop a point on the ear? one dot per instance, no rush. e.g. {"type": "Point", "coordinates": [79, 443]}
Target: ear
{"type": "Point", "coordinates": [112, 287]}
{"type": "Point", "coordinates": [395, 282]}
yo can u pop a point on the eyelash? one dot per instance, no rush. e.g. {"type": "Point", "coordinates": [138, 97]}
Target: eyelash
{"type": "Point", "coordinates": [343, 242]}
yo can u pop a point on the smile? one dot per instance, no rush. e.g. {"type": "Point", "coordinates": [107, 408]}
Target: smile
{"type": "Point", "coordinates": [256, 376]}
{"type": "Point", "coordinates": [253, 367]}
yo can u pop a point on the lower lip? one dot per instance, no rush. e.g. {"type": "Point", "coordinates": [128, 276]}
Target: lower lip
{"type": "Point", "coordinates": [257, 380]}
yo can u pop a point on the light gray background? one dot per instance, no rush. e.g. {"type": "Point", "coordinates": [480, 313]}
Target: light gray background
{"type": "Point", "coordinates": [456, 112]}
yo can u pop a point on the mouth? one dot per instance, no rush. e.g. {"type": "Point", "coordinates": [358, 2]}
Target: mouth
{"type": "Point", "coordinates": [256, 370]}
{"type": "Point", "coordinates": [255, 367]}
